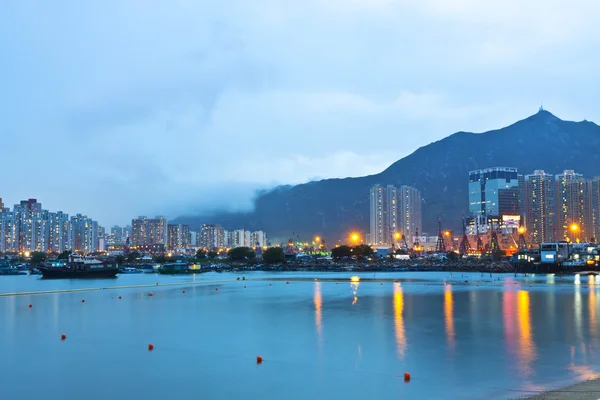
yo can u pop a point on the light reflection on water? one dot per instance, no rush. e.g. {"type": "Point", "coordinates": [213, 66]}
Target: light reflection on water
{"type": "Point", "coordinates": [318, 301]}
{"type": "Point", "coordinates": [526, 344]}
{"type": "Point", "coordinates": [399, 321]}
{"type": "Point", "coordinates": [488, 340]}
{"type": "Point", "coordinates": [449, 315]}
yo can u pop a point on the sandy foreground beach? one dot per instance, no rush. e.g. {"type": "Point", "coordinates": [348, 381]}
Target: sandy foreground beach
{"type": "Point", "coordinates": [588, 390]}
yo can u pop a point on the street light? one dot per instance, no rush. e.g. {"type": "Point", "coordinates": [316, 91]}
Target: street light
{"type": "Point", "coordinates": [354, 237]}
{"type": "Point", "coordinates": [397, 235]}
{"type": "Point", "coordinates": [521, 230]}
{"type": "Point", "coordinates": [317, 239]}
{"type": "Point", "coordinates": [575, 229]}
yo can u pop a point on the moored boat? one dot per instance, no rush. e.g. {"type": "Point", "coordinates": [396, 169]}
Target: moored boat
{"type": "Point", "coordinates": [131, 270]}
{"type": "Point", "coordinates": [81, 267]}
{"type": "Point", "coordinates": [6, 269]}
{"type": "Point", "coordinates": [180, 268]}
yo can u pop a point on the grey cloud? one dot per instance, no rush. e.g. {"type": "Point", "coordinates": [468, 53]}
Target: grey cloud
{"type": "Point", "coordinates": [192, 106]}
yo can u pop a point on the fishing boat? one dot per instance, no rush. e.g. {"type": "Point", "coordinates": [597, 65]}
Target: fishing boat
{"type": "Point", "coordinates": [81, 267]}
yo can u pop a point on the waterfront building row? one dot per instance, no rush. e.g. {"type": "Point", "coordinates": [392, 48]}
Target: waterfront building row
{"type": "Point", "coordinates": [28, 228]}
{"type": "Point", "coordinates": [213, 237]}
{"type": "Point", "coordinates": [549, 207]}
{"type": "Point", "coordinates": [175, 237]}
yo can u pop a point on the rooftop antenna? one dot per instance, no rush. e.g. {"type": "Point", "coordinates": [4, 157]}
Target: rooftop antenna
{"type": "Point", "coordinates": [541, 107]}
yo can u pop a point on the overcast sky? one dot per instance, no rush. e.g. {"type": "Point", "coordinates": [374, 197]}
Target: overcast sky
{"type": "Point", "coordinates": [119, 108]}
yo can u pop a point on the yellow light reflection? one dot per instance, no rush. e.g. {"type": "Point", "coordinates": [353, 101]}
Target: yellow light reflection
{"type": "Point", "coordinates": [354, 288]}
{"type": "Point", "coordinates": [449, 314]}
{"type": "Point", "coordinates": [578, 313]}
{"type": "Point", "coordinates": [526, 345]}
{"type": "Point", "coordinates": [593, 324]}
{"type": "Point", "coordinates": [318, 300]}
{"type": "Point", "coordinates": [508, 307]}
{"type": "Point", "coordinates": [399, 321]}
{"type": "Point", "coordinates": [355, 279]}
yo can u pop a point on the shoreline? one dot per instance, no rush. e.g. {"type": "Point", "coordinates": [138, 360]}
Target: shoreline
{"type": "Point", "coordinates": [584, 390]}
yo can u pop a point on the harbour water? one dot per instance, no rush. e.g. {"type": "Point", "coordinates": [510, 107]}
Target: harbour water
{"type": "Point", "coordinates": [460, 336]}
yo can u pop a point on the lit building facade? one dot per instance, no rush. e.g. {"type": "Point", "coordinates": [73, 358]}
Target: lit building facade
{"type": "Point", "coordinates": [149, 231]}
{"type": "Point", "coordinates": [139, 231]}
{"type": "Point", "coordinates": [594, 186]}
{"type": "Point", "coordinates": [409, 214]}
{"type": "Point", "coordinates": [259, 238]}
{"type": "Point", "coordinates": [179, 237]}
{"type": "Point", "coordinates": [28, 228]}
{"type": "Point", "coordinates": [58, 232]}
{"type": "Point", "coordinates": [571, 198]}
{"type": "Point", "coordinates": [392, 211]}
{"type": "Point", "coordinates": [494, 192]}
{"type": "Point", "coordinates": [540, 206]}
{"type": "Point", "coordinates": [211, 236]}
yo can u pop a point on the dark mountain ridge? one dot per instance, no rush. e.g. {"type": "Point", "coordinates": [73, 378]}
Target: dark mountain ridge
{"type": "Point", "coordinates": [334, 207]}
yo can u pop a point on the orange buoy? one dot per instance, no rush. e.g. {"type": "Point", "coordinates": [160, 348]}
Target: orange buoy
{"type": "Point", "coordinates": [258, 359]}
{"type": "Point", "coordinates": [150, 347]}
{"type": "Point", "coordinates": [63, 336]}
{"type": "Point", "coordinates": [150, 294]}
{"type": "Point", "coordinates": [30, 305]}
{"type": "Point", "coordinates": [406, 377]}
{"type": "Point", "coordinates": [82, 300]}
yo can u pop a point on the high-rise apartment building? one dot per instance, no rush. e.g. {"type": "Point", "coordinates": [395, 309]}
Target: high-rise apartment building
{"type": "Point", "coordinates": [409, 212]}
{"type": "Point", "coordinates": [259, 238]}
{"type": "Point", "coordinates": [392, 211]}
{"type": "Point", "coordinates": [594, 186]}
{"type": "Point", "coordinates": [179, 237]}
{"type": "Point", "coordinates": [157, 231]}
{"type": "Point", "coordinates": [571, 198]}
{"type": "Point", "coordinates": [147, 232]}
{"type": "Point", "coordinates": [58, 232]}
{"type": "Point", "coordinates": [540, 206]}
{"type": "Point", "coordinates": [139, 231]}
{"type": "Point", "coordinates": [28, 228]}
{"type": "Point", "coordinates": [84, 234]}
{"type": "Point", "coordinates": [211, 236]}
{"type": "Point", "coordinates": [494, 192]}
{"type": "Point", "coordinates": [379, 233]}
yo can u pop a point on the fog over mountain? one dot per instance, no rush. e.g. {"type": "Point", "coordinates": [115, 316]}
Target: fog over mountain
{"type": "Point", "coordinates": [334, 207]}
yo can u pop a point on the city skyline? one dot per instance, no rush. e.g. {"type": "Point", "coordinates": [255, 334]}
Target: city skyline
{"type": "Point", "coordinates": [238, 77]}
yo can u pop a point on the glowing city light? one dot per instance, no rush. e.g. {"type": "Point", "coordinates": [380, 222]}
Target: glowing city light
{"type": "Point", "coordinates": [574, 227]}
{"type": "Point", "coordinates": [355, 279]}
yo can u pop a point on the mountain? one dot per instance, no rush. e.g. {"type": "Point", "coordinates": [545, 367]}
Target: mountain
{"type": "Point", "coordinates": [334, 207]}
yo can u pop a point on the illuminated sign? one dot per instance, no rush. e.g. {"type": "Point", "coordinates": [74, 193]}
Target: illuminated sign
{"type": "Point", "coordinates": [511, 221]}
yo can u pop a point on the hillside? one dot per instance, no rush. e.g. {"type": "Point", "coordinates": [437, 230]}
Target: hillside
{"type": "Point", "coordinates": [333, 207]}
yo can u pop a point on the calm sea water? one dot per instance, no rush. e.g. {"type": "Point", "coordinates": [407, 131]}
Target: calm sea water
{"type": "Point", "coordinates": [502, 337]}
